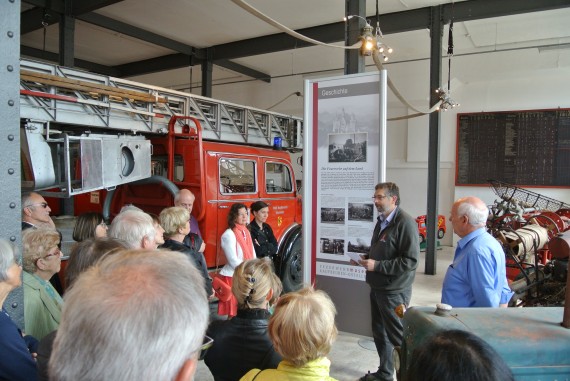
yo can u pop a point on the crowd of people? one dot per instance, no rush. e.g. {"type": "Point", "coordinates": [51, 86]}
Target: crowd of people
{"type": "Point", "coordinates": [137, 292]}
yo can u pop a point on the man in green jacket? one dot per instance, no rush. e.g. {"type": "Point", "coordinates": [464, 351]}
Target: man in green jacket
{"type": "Point", "coordinates": [390, 272]}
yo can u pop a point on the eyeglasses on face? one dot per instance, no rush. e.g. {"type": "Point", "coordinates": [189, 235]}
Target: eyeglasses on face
{"type": "Point", "coordinates": [56, 252]}
{"type": "Point", "coordinates": [42, 204]}
{"type": "Point", "coordinates": [379, 197]}
{"type": "Point", "coordinates": [206, 344]}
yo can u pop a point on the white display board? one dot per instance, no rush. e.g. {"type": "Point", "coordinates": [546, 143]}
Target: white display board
{"type": "Point", "coordinates": [344, 150]}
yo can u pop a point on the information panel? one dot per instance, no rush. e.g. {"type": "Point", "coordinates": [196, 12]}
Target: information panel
{"type": "Point", "coordinates": [527, 148]}
{"type": "Point", "coordinates": [345, 152]}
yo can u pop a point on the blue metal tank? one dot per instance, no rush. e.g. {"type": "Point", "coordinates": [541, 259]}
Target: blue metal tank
{"type": "Point", "coordinates": [531, 340]}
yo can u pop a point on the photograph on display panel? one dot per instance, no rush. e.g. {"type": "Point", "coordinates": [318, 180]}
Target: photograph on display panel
{"type": "Point", "coordinates": [348, 148]}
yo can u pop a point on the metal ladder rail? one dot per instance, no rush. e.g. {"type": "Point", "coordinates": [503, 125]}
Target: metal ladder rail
{"type": "Point", "coordinates": [221, 120]}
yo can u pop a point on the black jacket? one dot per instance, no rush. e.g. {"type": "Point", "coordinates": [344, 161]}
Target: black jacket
{"type": "Point", "coordinates": [240, 344]}
{"type": "Point", "coordinates": [396, 250]}
{"type": "Point", "coordinates": [264, 240]}
{"type": "Point", "coordinates": [196, 257]}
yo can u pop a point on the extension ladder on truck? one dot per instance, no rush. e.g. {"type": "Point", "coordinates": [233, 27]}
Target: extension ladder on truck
{"type": "Point", "coordinates": [94, 126]}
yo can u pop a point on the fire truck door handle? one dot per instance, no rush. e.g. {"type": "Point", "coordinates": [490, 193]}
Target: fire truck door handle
{"type": "Point", "coordinates": [223, 206]}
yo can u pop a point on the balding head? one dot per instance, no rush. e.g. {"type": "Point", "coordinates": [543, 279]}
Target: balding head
{"type": "Point", "coordinates": [468, 214]}
{"type": "Point", "coordinates": [136, 315]}
{"type": "Point", "coordinates": [185, 198]}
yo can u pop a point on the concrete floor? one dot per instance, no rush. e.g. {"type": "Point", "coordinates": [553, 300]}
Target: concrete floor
{"type": "Point", "coordinates": [353, 355]}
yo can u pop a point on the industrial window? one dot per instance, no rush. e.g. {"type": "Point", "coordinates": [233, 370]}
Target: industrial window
{"type": "Point", "coordinates": [277, 178]}
{"type": "Point", "coordinates": [237, 176]}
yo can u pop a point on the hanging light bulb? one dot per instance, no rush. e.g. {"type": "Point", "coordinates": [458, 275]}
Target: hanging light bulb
{"type": "Point", "coordinates": [372, 39]}
{"type": "Point", "coordinates": [368, 41]}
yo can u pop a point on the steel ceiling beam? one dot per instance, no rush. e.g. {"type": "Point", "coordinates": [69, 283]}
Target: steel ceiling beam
{"type": "Point", "coordinates": [234, 66]}
{"type": "Point", "coordinates": [51, 11]}
{"type": "Point", "coordinates": [397, 22]}
{"type": "Point", "coordinates": [141, 34]}
{"type": "Point", "coordinates": [78, 7]}
{"type": "Point", "coordinates": [179, 60]}
{"type": "Point", "coordinates": [82, 64]}
{"type": "Point", "coordinates": [32, 20]}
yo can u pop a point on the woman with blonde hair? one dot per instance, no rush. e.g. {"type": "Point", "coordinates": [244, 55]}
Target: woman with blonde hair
{"type": "Point", "coordinates": [176, 225]}
{"type": "Point", "coordinates": [42, 303]}
{"type": "Point", "coordinates": [243, 343]}
{"type": "Point", "coordinates": [237, 245]}
{"type": "Point", "coordinates": [302, 330]}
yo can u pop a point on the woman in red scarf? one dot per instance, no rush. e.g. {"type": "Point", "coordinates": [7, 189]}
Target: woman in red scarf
{"type": "Point", "coordinates": [238, 247]}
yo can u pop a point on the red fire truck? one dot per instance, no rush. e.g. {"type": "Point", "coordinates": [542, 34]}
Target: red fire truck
{"type": "Point", "coordinates": [114, 142]}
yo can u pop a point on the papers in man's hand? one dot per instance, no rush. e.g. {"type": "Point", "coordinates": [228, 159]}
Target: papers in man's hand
{"type": "Point", "coordinates": [354, 256]}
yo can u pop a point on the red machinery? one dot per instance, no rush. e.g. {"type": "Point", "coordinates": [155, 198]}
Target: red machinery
{"type": "Point", "coordinates": [534, 231]}
{"type": "Point", "coordinates": [441, 229]}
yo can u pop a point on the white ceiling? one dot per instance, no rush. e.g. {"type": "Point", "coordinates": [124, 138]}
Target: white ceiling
{"type": "Point", "coordinates": [205, 23]}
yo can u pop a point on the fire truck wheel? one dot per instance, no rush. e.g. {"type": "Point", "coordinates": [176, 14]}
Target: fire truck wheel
{"type": "Point", "coordinates": [440, 233]}
{"type": "Point", "coordinates": [292, 266]}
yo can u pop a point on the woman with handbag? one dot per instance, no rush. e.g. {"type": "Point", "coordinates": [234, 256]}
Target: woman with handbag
{"type": "Point", "coordinates": [237, 245]}
{"type": "Point", "coordinates": [243, 343]}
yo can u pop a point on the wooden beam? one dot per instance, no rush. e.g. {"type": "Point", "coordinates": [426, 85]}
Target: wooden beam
{"type": "Point", "coordinates": [74, 84]}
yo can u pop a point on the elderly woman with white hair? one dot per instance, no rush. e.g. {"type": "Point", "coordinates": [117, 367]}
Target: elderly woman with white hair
{"type": "Point", "coordinates": [42, 260]}
{"type": "Point", "coordinates": [16, 361]}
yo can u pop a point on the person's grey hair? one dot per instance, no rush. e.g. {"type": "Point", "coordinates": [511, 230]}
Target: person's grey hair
{"type": "Point", "coordinates": [391, 189]}
{"type": "Point", "coordinates": [8, 254]}
{"type": "Point", "coordinates": [476, 216]}
{"type": "Point", "coordinates": [130, 207]}
{"type": "Point", "coordinates": [136, 315]}
{"type": "Point", "coordinates": [26, 199]}
{"type": "Point", "coordinates": [132, 226]}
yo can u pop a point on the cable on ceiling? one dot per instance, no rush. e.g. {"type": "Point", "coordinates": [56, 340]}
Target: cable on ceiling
{"type": "Point", "coordinates": [242, 4]}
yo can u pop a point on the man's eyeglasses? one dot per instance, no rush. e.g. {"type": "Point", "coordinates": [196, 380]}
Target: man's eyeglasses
{"type": "Point", "coordinates": [379, 197]}
{"type": "Point", "coordinates": [42, 204]}
{"type": "Point", "coordinates": [206, 344]}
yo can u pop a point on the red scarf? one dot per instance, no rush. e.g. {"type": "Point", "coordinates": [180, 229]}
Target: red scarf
{"type": "Point", "coordinates": [244, 240]}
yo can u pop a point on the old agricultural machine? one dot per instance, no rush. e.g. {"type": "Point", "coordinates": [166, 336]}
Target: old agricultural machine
{"type": "Point", "coordinates": [534, 231]}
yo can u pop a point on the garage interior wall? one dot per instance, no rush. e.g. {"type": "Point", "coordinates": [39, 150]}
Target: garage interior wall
{"type": "Point", "coordinates": [498, 81]}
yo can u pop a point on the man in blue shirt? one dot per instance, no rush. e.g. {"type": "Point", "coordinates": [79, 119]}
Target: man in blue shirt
{"type": "Point", "coordinates": [477, 276]}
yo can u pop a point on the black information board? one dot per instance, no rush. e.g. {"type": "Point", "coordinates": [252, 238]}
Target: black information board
{"type": "Point", "coordinates": [529, 148]}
